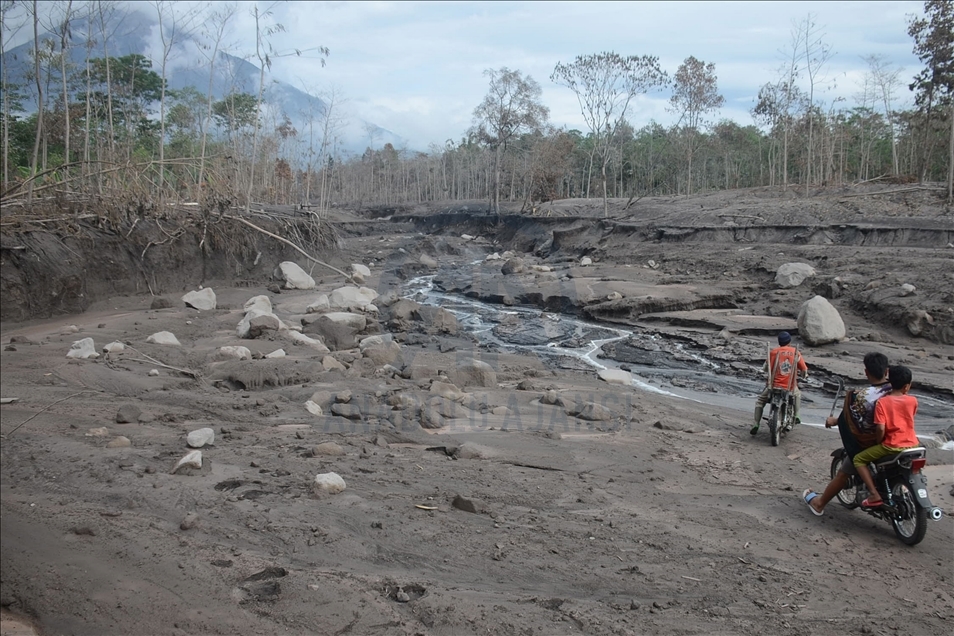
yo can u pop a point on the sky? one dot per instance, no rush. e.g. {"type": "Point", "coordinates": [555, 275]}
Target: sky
{"type": "Point", "coordinates": [417, 68]}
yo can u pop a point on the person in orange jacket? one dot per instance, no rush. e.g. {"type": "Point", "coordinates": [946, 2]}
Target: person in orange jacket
{"type": "Point", "coordinates": [784, 365]}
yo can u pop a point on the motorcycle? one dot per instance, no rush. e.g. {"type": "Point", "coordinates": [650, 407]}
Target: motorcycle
{"type": "Point", "coordinates": [781, 417]}
{"type": "Point", "coordinates": [903, 488]}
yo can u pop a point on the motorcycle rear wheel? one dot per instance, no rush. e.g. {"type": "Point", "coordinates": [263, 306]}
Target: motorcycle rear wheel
{"type": "Point", "coordinates": [847, 496]}
{"type": "Point", "coordinates": [776, 417]}
{"type": "Point", "coordinates": [912, 526]}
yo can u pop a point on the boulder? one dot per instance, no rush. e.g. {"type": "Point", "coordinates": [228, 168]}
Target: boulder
{"type": "Point", "coordinates": [192, 459]}
{"type": "Point", "coordinates": [431, 419]}
{"type": "Point", "coordinates": [328, 449]}
{"type": "Point", "coordinates": [917, 321]}
{"type": "Point", "coordinates": [513, 266]}
{"type": "Point", "coordinates": [302, 339]}
{"type": "Point", "coordinates": [320, 305]}
{"type": "Point", "coordinates": [257, 322]}
{"type": "Point", "coordinates": [277, 353]}
{"type": "Point", "coordinates": [616, 376]}
{"type": "Point", "coordinates": [447, 390]}
{"type": "Point", "coordinates": [114, 347]}
{"type": "Point", "coordinates": [233, 353]}
{"type": "Point", "coordinates": [83, 349]}
{"type": "Point", "coordinates": [200, 437]}
{"type": "Point", "coordinates": [819, 322]}
{"type": "Point", "coordinates": [361, 270]}
{"type": "Point", "coordinates": [203, 300]}
{"type": "Point", "coordinates": [436, 319]}
{"type": "Point", "coordinates": [163, 338]}
{"type": "Point", "coordinates": [350, 297]}
{"type": "Point", "coordinates": [336, 336]}
{"type": "Point", "coordinates": [357, 322]}
{"type": "Point", "coordinates": [127, 414]}
{"type": "Point", "coordinates": [119, 441]}
{"type": "Point", "coordinates": [330, 363]}
{"type": "Point", "coordinates": [260, 303]}
{"type": "Point", "coordinates": [428, 261]}
{"type": "Point", "coordinates": [793, 274]}
{"type": "Point", "coordinates": [474, 373]}
{"type": "Point", "coordinates": [586, 260]}
{"type": "Point", "coordinates": [493, 257]}
{"type": "Point", "coordinates": [383, 354]}
{"type": "Point", "coordinates": [594, 412]}
{"type": "Point", "coordinates": [314, 408]}
{"type": "Point", "coordinates": [294, 276]}
{"type": "Point", "coordinates": [160, 303]}
{"type": "Point", "coordinates": [328, 484]}
{"type": "Point", "coordinates": [907, 289]}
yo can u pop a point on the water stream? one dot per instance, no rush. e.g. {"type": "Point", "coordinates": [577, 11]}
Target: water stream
{"type": "Point", "coordinates": [570, 343]}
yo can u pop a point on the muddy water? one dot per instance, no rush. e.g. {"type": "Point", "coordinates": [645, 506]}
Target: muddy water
{"type": "Point", "coordinates": [570, 343]}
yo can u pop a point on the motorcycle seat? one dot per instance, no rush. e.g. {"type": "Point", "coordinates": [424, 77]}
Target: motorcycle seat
{"type": "Point", "coordinates": [909, 453]}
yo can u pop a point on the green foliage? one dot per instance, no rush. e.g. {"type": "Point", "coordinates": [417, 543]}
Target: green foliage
{"type": "Point", "coordinates": [236, 112]}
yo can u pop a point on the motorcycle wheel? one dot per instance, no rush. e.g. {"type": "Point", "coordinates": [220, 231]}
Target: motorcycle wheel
{"type": "Point", "coordinates": [776, 417]}
{"type": "Point", "coordinates": [912, 524]}
{"type": "Point", "coordinates": [848, 496]}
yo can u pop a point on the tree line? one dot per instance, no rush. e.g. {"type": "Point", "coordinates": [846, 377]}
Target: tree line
{"type": "Point", "coordinates": [111, 124]}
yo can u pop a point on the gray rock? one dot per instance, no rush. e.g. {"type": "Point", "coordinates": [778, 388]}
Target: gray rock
{"type": "Point", "coordinates": [189, 521]}
{"type": "Point", "coordinates": [474, 373]}
{"type": "Point", "coordinates": [203, 300]}
{"type": "Point", "coordinates": [163, 338]}
{"type": "Point", "coordinates": [907, 289]}
{"type": "Point", "coordinates": [819, 322]}
{"type": "Point", "coordinates": [431, 419]}
{"type": "Point", "coordinates": [513, 266]}
{"type": "Point", "coordinates": [83, 349]}
{"type": "Point", "coordinates": [616, 376]}
{"type": "Point", "coordinates": [328, 483]}
{"type": "Point", "coordinates": [918, 321]}
{"type": "Point", "coordinates": [329, 449]}
{"type": "Point", "coordinates": [294, 276]}
{"type": "Point", "coordinates": [160, 303]}
{"type": "Point", "coordinates": [192, 459]}
{"type": "Point", "coordinates": [594, 412]}
{"type": "Point", "coordinates": [347, 411]}
{"type": "Point", "coordinates": [200, 437]}
{"type": "Point", "coordinates": [467, 505]}
{"type": "Point", "coordinates": [119, 442]}
{"type": "Point", "coordinates": [793, 274]}
{"type": "Point", "coordinates": [127, 414]}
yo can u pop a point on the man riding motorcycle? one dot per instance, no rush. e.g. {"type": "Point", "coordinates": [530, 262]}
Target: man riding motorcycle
{"type": "Point", "coordinates": [784, 364]}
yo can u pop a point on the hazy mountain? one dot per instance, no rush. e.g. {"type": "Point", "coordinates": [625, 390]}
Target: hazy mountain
{"type": "Point", "coordinates": [137, 32]}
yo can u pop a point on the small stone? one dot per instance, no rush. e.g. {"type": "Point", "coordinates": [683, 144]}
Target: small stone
{"type": "Point", "coordinates": [330, 449]}
{"type": "Point", "coordinates": [190, 460]}
{"type": "Point", "coordinates": [153, 373]}
{"type": "Point", "coordinates": [128, 414]}
{"type": "Point", "coordinates": [119, 442]}
{"type": "Point", "coordinates": [402, 596]}
{"type": "Point", "coordinates": [160, 303]}
{"type": "Point", "coordinates": [328, 483]}
{"type": "Point", "coordinates": [200, 437]}
{"type": "Point", "coordinates": [163, 338]}
{"type": "Point", "coordinates": [98, 432]}
{"type": "Point", "coordinates": [462, 503]}
{"type": "Point", "coordinates": [189, 521]}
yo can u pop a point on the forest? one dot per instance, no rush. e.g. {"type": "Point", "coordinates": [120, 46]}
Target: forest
{"type": "Point", "coordinates": [109, 126]}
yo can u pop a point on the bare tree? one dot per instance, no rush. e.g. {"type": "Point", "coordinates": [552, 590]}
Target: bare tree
{"type": "Point", "coordinates": [510, 108]}
{"type": "Point", "coordinates": [173, 28]}
{"type": "Point", "coordinates": [216, 26]}
{"type": "Point", "coordinates": [816, 54]}
{"type": "Point", "coordinates": [605, 84]}
{"type": "Point", "coordinates": [695, 94]}
{"type": "Point", "coordinates": [39, 95]}
{"type": "Point", "coordinates": [884, 78]}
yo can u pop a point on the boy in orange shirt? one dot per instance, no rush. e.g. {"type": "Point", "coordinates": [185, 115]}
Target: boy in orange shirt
{"type": "Point", "coordinates": [895, 414]}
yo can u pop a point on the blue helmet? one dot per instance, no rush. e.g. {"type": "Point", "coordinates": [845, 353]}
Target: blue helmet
{"type": "Point", "coordinates": [784, 338]}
